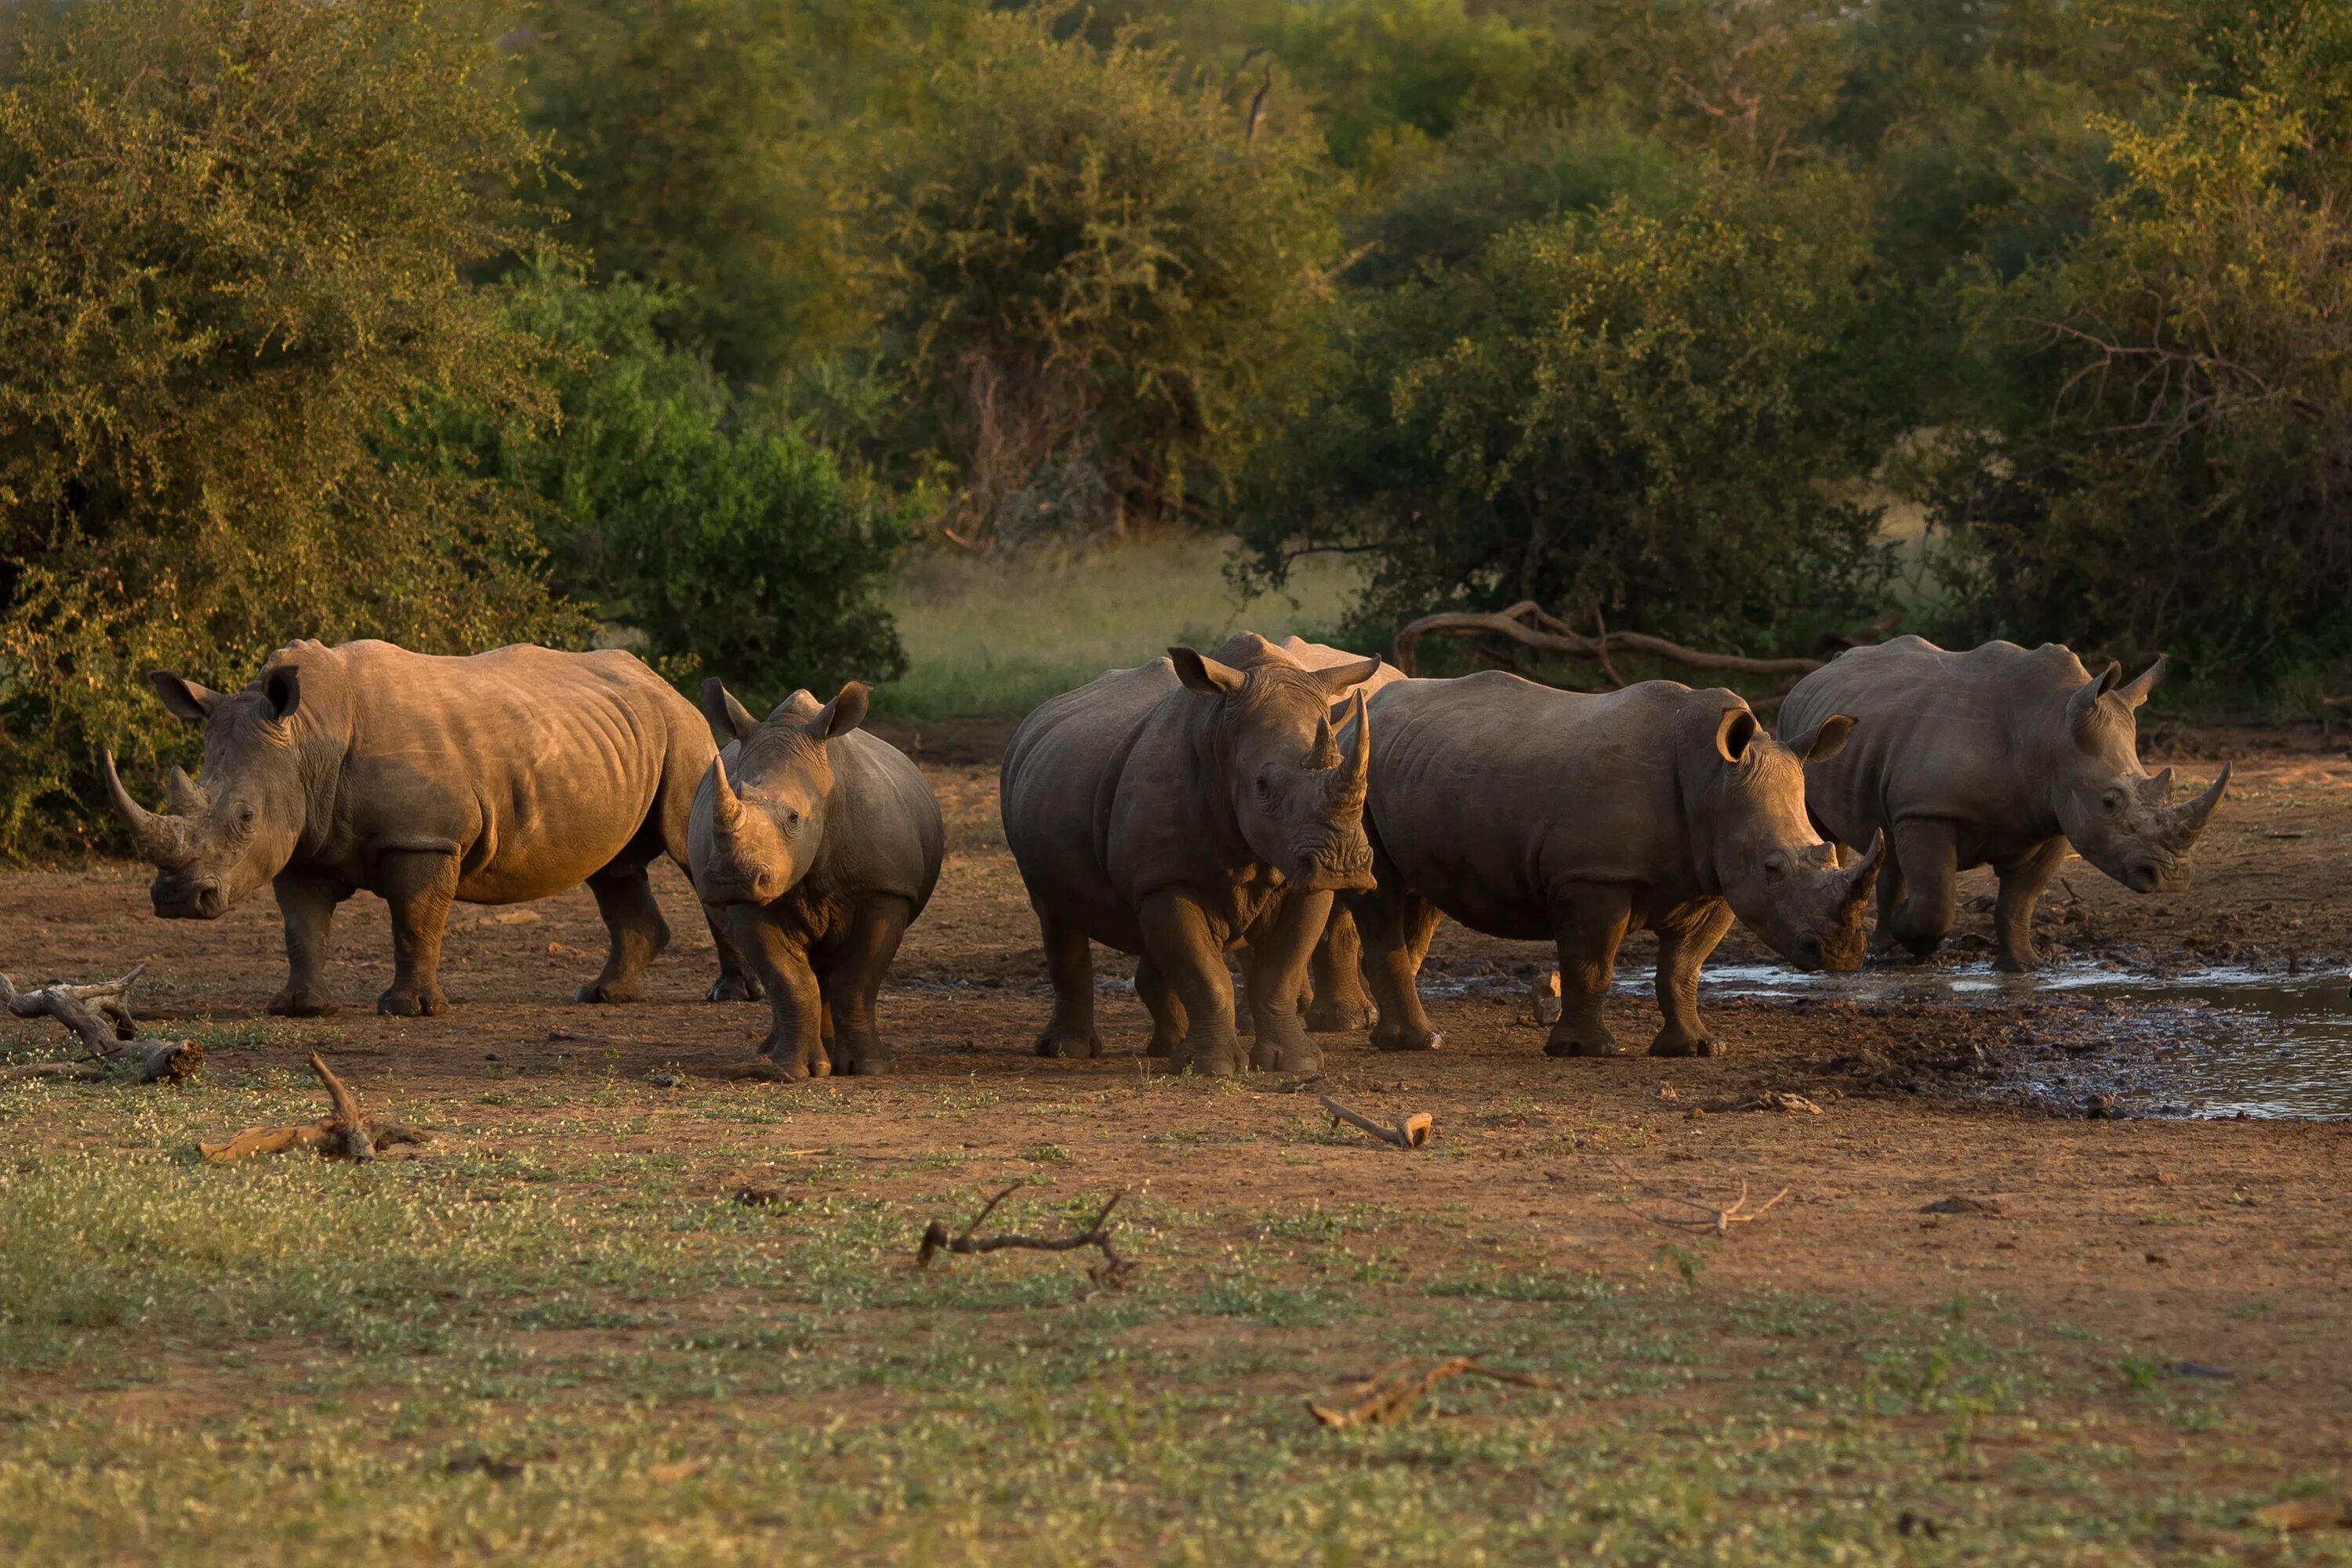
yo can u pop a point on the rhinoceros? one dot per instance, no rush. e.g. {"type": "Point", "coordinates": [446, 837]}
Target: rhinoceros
{"type": "Point", "coordinates": [493, 779]}
{"type": "Point", "coordinates": [1530, 813]}
{"type": "Point", "coordinates": [1998, 756]}
{"type": "Point", "coordinates": [815, 845]}
{"type": "Point", "coordinates": [1180, 809]}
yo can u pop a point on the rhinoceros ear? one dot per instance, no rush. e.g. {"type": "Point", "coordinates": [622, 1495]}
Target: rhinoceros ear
{"type": "Point", "coordinates": [1204, 675]}
{"type": "Point", "coordinates": [185, 698]}
{"type": "Point", "coordinates": [842, 714]}
{"type": "Point", "coordinates": [1733, 733]}
{"type": "Point", "coordinates": [281, 688]}
{"type": "Point", "coordinates": [1824, 740]}
{"type": "Point", "coordinates": [2085, 701]}
{"type": "Point", "coordinates": [729, 720]}
{"type": "Point", "coordinates": [1340, 676]}
{"type": "Point", "coordinates": [2137, 692]}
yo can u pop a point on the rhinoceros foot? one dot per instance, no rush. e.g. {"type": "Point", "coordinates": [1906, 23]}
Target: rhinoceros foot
{"type": "Point", "coordinates": [871, 1064]}
{"type": "Point", "coordinates": [1053, 1044]}
{"type": "Point", "coordinates": [1674, 1043]}
{"type": "Point", "coordinates": [413, 1002]}
{"type": "Point", "coordinates": [1224, 1058]}
{"type": "Point", "coordinates": [607, 991]}
{"type": "Point", "coordinates": [1404, 1039]}
{"type": "Point", "coordinates": [1301, 1055]}
{"type": "Point", "coordinates": [735, 988]}
{"type": "Point", "coordinates": [302, 1002]}
{"type": "Point", "coordinates": [1568, 1044]}
{"type": "Point", "coordinates": [1337, 1017]}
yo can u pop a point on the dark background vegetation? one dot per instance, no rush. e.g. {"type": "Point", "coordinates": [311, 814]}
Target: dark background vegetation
{"type": "Point", "coordinates": [459, 323]}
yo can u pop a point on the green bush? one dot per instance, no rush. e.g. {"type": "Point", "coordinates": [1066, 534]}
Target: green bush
{"type": "Point", "coordinates": [234, 235]}
{"type": "Point", "coordinates": [1084, 272]}
{"type": "Point", "coordinates": [1653, 419]}
{"type": "Point", "coordinates": [735, 545]}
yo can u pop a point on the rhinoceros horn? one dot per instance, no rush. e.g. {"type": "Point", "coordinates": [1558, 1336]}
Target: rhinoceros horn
{"type": "Point", "coordinates": [187, 797]}
{"type": "Point", "coordinates": [726, 805]}
{"type": "Point", "coordinates": [1862, 875]}
{"type": "Point", "coordinates": [158, 839]}
{"type": "Point", "coordinates": [2188, 820]}
{"type": "Point", "coordinates": [1355, 773]}
{"type": "Point", "coordinates": [1324, 753]}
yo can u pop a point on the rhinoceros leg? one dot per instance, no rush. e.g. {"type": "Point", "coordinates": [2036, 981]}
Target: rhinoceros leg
{"type": "Point", "coordinates": [1927, 850]}
{"type": "Point", "coordinates": [624, 896]}
{"type": "Point", "coordinates": [1684, 944]}
{"type": "Point", "coordinates": [1588, 921]}
{"type": "Point", "coordinates": [1167, 1012]}
{"type": "Point", "coordinates": [1395, 927]}
{"type": "Point", "coordinates": [855, 967]}
{"type": "Point", "coordinates": [1184, 948]}
{"type": "Point", "coordinates": [1070, 966]}
{"type": "Point", "coordinates": [1341, 1004]}
{"type": "Point", "coordinates": [736, 982]}
{"type": "Point", "coordinates": [797, 1021]}
{"type": "Point", "coordinates": [1890, 899]}
{"type": "Point", "coordinates": [1279, 964]}
{"type": "Point", "coordinates": [306, 903]}
{"type": "Point", "coordinates": [419, 884]}
{"type": "Point", "coordinates": [2022, 884]}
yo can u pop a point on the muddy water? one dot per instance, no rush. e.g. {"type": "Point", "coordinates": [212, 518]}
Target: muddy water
{"type": "Point", "coordinates": [2203, 1043]}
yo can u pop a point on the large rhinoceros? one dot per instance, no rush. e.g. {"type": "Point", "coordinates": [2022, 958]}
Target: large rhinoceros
{"type": "Point", "coordinates": [815, 845]}
{"type": "Point", "coordinates": [1998, 756]}
{"type": "Point", "coordinates": [493, 779]}
{"type": "Point", "coordinates": [1534, 814]}
{"type": "Point", "coordinates": [1180, 809]}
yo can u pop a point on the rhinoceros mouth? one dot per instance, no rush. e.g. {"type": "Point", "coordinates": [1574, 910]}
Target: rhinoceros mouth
{"type": "Point", "coordinates": [1336, 868]}
{"type": "Point", "coordinates": [202, 900]}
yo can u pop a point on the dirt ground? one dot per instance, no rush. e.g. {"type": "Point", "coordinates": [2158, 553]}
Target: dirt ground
{"type": "Point", "coordinates": [2223, 1244]}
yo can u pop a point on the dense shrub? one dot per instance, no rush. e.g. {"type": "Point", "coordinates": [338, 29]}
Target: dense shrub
{"type": "Point", "coordinates": [234, 235]}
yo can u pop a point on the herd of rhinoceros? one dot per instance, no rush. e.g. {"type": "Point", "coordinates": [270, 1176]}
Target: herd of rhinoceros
{"type": "Point", "coordinates": [1313, 809]}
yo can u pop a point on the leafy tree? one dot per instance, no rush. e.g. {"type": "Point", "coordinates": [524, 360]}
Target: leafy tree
{"type": "Point", "coordinates": [235, 235]}
{"type": "Point", "coordinates": [1084, 272]}
{"type": "Point", "coordinates": [1643, 417]}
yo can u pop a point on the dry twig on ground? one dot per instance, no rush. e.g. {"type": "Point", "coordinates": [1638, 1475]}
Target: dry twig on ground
{"type": "Point", "coordinates": [1410, 1133]}
{"type": "Point", "coordinates": [1114, 1270]}
{"type": "Point", "coordinates": [1718, 1221]}
{"type": "Point", "coordinates": [1391, 1394]}
{"type": "Point", "coordinates": [349, 1133]}
{"type": "Point", "coordinates": [101, 1015]}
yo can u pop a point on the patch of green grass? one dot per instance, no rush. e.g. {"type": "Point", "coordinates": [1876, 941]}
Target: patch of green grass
{"type": "Point", "coordinates": [999, 634]}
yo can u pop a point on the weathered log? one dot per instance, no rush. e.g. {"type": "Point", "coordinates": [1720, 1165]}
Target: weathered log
{"type": "Point", "coordinates": [100, 1015]}
{"type": "Point", "coordinates": [1528, 625]}
{"type": "Point", "coordinates": [349, 1133]}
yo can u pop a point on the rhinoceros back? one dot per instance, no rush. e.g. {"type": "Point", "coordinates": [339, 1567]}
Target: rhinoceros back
{"type": "Point", "coordinates": [884, 833]}
{"type": "Point", "coordinates": [535, 767]}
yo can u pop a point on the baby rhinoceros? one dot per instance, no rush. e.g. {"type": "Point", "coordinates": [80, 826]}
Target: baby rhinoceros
{"type": "Point", "coordinates": [1530, 812]}
{"type": "Point", "coordinates": [1998, 756]}
{"type": "Point", "coordinates": [814, 846]}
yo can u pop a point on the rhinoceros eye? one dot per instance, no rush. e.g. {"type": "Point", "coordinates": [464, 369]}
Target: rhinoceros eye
{"type": "Point", "coordinates": [244, 814]}
{"type": "Point", "coordinates": [1775, 868]}
{"type": "Point", "coordinates": [2113, 800]}
{"type": "Point", "coordinates": [791, 822]}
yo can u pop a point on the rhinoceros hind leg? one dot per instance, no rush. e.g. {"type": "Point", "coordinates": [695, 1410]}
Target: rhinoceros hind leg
{"type": "Point", "coordinates": [1395, 929]}
{"type": "Point", "coordinates": [1185, 950]}
{"type": "Point", "coordinates": [1684, 944]}
{"type": "Point", "coordinates": [1341, 1005]}
{"type": "Point", "coordinates": [637, 931]}
{"type": "Point", "coordinates": [1588, 922]}
{"type": "Point", "coordinates": [2021, 885]}
{"type": "Point", "coordinates": [420, 886]}
{"type": "Point", "coordinates": [856, 966]}
{"type": "Point", "coordinates": [1070, 966]}
{"type": "Point", "coordinates": [1167, 1012]}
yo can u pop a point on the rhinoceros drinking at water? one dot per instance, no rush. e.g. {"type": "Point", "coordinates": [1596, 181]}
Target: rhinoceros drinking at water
{"type": "Point", "coordinates": [814, 845]}
{"type": "Point", "coordinates": [493, 779]}
{"type": "Point", "coordinates": [1574, 818]}
{"type": "Point", "coordinates": [2001, 755]}
{"type": "Point", "coordinates": [1178, 810]}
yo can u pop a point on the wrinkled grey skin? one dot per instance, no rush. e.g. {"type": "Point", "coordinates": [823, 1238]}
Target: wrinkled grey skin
{"type": "Point", "coordinates": [1534, 814]}
{"type": "Point", "coordinates": [493, 779]}
{"type": "Point", "coordinates": [815, 845]}
{"type": "Point", "coordinates": [1182, 809]}
{"type": "Point", "coordinates": [1996, 756]}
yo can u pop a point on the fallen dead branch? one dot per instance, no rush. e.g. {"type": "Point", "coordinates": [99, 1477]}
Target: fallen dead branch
{"type": "Point", "coordinates": [1114, 1270]}
{"type": "Point", "coordinates": [1765, 1100]}
{"type": "Point", "coordinates": [1718, 1221]}
{"type": "Point", "coordinates": [1391, 1394]}
{"type": "Point", "coordinates": [100, 1015]}
{"type": "Point", "coordinates": [1410, 1133]}
{"type": "Point", "coordinates": [1529, 626]}
{"type": "Point", "coordinates": [348, 1133]}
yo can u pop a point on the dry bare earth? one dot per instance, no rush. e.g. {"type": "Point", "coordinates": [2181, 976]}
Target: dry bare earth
{"type": "Point", "coordinates": [557, 1337]}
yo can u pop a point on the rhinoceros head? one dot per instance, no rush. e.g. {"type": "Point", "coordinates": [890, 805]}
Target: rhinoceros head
{"type": "Point", "coordinates": [1778, 874]}
{"type": "Point", "coordinates": [221, 839]}
{"type": "Point", "coordinates": [2118, 817]}
{"type": "Point", "coordinates": [1296, 778]}
{"type": "Point", "coordinates": [754, 836]}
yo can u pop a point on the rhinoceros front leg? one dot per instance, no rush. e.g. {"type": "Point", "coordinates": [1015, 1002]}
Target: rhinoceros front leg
{"type": "Point", "coordinates": [1928, 850]}
{"type": "Point", "coordinates": [1395, 927]}
{"type": "Point", "coordinates": [1890, 900]}
{"type": "Point", "coordinates": [2023, 881]}
{"type": "Point", "coordinates": [637, 934]}
{"type": "Point", "coordinates": [420, 885]}
{"type": "Point", "coordinates": [797, 1021]}
{"type": "Point", "coordinates": [1341, 1002]}
{"type": "Point", "coordinates": [1278, 961]}
{"type": "Point", "coordinates": [1588, 921]}
{"type": "Point", "coordinates": [1070, 966]}
{"type": "Point", "coordinates": [736, 982]}
{"type": "Point", "coordinates": [1684, 944]}
{"type": "Point", "coordinates": [306, 903]}
{"type": "Point", "coordinates": [1167, 1013]}
{"type": "Point", "coordinates": [855, 969]}
{"type": "Point", "coordinates": [1184, 948]}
